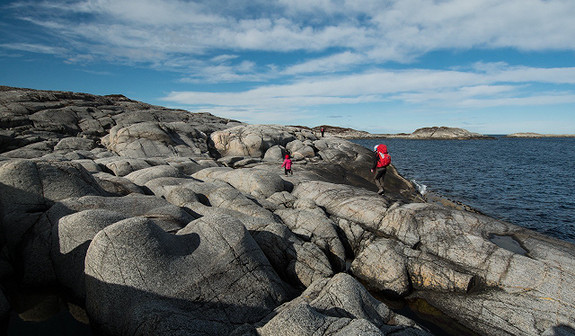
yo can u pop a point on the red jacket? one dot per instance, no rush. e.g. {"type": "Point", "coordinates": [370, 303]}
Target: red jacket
{"type": "Point", "coordinates": [383, 159]}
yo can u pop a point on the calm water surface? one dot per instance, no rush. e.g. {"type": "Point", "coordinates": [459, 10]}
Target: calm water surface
{"type": "Point", "coordinates": [527, 182]}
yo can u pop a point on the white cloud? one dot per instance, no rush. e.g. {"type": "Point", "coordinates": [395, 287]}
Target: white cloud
{"type": "Point", "coordinates": [404, 28]}
{"type": "Point", "coordinates": [34, 48]}
{"type": "Point", "coordinates": [504, 86]}
{"type": "Point", "coordinates": [332, 63]}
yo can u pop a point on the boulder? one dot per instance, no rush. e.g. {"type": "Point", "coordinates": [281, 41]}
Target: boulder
{"type": "Point", "coordinates": [42, 242]}
{"type": "Point", "coordinates": [480, 281]}
{"type": "Point", "coordinates": [123, 167]}
{"type": "Point", "coordinates": [74, 143]}
{"type": "Point", "coordinates": [117, 186]}
{"type": "Point", "coordinates": [28, 188]}
{"type": "Point", "coordinates": [254, 140]}
{"type": "Point", "coordinates": [300, 150]}
{"type": "Point", "coordinates": [71, 237]}
{"type": "Point", "coordinates": [355, 204]}
{"type": "Point", "coordinates": [315, 227]}
{"type": "Point", "coordinates": [90, 165]}
{"type": "Point", "coordinates": [299, 262]}
{"type": "Point", "coordinates": [208, 279]}
{"type": "Point", "coordinates": [338, 306]}
{"type": "Point", "coordinates": [142, 176]}
{"type": "Point", "coordinates": [256, 182]}
{"type": "Point", "coordinates": [275, 154]}
{"type": "Point", "coordinates": [282, 199]}
{"type": "Point", "coordinates": [382, 266]}
{"type": "Point", "coordinates": [153, 139]}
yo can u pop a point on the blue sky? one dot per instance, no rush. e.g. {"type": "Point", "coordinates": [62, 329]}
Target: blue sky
{"type": "Point", "coordinates": [383, 66]}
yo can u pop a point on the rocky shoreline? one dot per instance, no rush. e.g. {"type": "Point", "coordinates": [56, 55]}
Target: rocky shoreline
{"type": "Point", "coordinates": [153, 221]}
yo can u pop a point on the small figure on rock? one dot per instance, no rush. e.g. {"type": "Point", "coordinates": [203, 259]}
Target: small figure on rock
{"type": "Point", "coordinates": [287, 165]}
{"type": "Point", "coordinates": [322, 130]}
{"type": "Point", "coordinates": [382, 160]}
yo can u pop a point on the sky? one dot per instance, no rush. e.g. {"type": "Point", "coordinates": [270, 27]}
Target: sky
{"type": "Point", "coordinates": [382, 66]}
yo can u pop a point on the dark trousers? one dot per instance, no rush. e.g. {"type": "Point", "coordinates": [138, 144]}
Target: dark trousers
{"type": "Point", "coordinates": [380, 178]}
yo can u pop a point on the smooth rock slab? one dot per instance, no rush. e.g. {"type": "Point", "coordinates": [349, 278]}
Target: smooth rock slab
{"type": "Point", "coordinates": [320, 230]}
{"type": "Point", "coordinates": [256, 182]}
{"type": "Point", "coordinates": [152, 139]}
{"type": "Point", "coordinates": [209, 278]}
{"type": "Point", "coordinates": [344, 201]}
{"type": "Point", "coordinates": [28, 188]}
{"type": "Point", "coordinates": [252, 140]}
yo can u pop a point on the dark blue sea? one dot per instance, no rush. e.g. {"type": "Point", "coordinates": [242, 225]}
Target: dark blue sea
{"type": "Point", "coordinates": [527, 182]}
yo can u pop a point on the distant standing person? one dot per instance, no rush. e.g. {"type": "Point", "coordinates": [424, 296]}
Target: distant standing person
{"type": "Point", "coordinates": [287, 165]}
{"type": "Point", "coordinates": [322, 130]}
{"type": "Point", "coordinates": [382, 160]}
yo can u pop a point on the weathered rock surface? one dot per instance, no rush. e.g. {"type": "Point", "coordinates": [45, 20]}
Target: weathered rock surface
{"type": "Point", "coordinates": [207, 279]}
{"type": "Point", "coordinates": [28, 188]}
{"type": "Point", "coordinates": [255, 140]}
{"type": "Point", "coordinates": [152, 139]}
{"type": "Point", "coordinates": [339, 306]}
{"type": "Point", "coordinates": [166, 222]}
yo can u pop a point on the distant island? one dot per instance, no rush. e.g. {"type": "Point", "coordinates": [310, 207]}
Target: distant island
{"type": "Point", "coordinates": [425, 133]}
{"type": "Point", "coordinates": [538, 135]}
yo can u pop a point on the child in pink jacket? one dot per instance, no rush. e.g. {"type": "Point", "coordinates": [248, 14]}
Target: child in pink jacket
{"type": "Point", "coordinates": [287, 165]}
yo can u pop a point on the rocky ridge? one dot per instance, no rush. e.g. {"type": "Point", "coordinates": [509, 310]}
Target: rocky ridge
{"type": "Point", "coordinates": [152, 221]}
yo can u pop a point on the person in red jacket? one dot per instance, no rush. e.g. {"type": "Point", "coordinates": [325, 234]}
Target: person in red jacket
{"type": "Point", "coordinates": [287, 165]}
{"type": "Point", "coordinates": [382, 160]}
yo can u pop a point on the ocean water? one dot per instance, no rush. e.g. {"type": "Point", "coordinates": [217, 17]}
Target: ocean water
{"type": "Point", "coordinates": [527, 182]}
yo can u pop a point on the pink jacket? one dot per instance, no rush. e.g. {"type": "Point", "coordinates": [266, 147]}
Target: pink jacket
{"type": "Point", "coordinates": [287, 163]}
